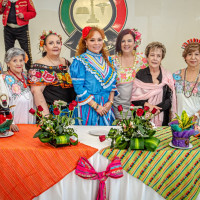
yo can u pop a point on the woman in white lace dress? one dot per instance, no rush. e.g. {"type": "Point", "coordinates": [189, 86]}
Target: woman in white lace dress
{"type": "Point", "coordinates": [20, 96]}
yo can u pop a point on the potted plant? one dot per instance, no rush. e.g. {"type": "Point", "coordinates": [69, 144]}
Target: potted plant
{"type": "Point", "coordinates": [56, 128]}
{"type": "Point", "coordinates": [182, 128]}
{"type": "Point", "coordinates": [136, 132]}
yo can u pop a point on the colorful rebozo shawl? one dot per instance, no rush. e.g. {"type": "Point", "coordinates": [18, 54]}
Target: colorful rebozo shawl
{"type": "Point", "coordinates": [154, 93]}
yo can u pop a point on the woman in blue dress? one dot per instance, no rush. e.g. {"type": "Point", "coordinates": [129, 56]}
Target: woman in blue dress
{"type": "Point", "coordinates": [94, 79]}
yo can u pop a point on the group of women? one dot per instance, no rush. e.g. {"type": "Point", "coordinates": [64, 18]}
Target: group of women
{"type": "Point", "coordinates": [100, 82]}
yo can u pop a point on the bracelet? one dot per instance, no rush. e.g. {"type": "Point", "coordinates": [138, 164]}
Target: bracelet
{"type": "Point", "coordinates": [111, 102]}
{"type": "Point", "coordinates": [93, 104]}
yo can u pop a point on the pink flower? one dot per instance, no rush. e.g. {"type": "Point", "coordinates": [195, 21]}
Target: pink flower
{"type": "Point", "coordinates": [102, 138]}
{"type": "Point", "coordinates": [147, 115]}
{"type": "Point", "coordinates": [32, 72]}
{"type": "Point", "coordinates": [133, 74]}
{"type": "Point", "coordinates": [123, 76]}
{"type": "Point", "coordinates": [143, 66]}
{"type": "Point", "coordinates": [144, 60]}
{"type": "Point", "coordinates": [16, 88]}
{"type": "Point", "coordinates": [195, 90]}
{"type": "Point", "coordinates": [137, 35]}
{"type": "Point", "coordinates": [38, 74]}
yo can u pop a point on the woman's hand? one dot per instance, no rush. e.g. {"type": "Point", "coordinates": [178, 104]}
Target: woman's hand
{"type": "Point", "coordinates": [107, 106]}
{"type": "Point", "coordinates": [14, 128]}
{"type": "Point", "coordinates": [151, 107]}
{"type": "Point", "coordinates": [101, 110]}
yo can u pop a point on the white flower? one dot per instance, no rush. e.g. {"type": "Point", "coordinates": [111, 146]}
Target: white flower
{"type": "Point", "coordinates": [60, 103]}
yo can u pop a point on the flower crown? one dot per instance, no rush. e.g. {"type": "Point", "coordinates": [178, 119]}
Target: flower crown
{"type": "Point", "coordinates": [138, 38]}
{"type": "Point", "coordinates": [43, 37]}
{"type": "Point", "coordinates": [194, 40]}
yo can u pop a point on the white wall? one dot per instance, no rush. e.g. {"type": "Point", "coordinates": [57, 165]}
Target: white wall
{"type": "Point", "coordinates": [171, 22]}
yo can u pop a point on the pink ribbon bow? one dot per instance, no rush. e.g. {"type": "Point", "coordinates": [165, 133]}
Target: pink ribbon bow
{"type": "Point", "coordinates": [85, 170]}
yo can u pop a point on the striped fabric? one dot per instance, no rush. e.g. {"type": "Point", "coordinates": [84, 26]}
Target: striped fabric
{"type": "Point", "coordinates": [173, 173]}
{"type": "Point", "coordinates": [85, 170]}
{"type": "Point", "coordinates": [28, 167]}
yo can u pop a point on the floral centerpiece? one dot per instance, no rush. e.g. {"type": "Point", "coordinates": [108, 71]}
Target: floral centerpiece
{"type": "Point", "coordinates": [56, 128]}
{"type": "Point", "coordinates": [136, 132]}
{"type": "Point", "coordinates": [182, 128]}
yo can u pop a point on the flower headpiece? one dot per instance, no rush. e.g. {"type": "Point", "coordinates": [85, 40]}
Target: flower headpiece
{"type": "Point", "coordinates": [194, 40]}
{"type": "Point", "coordinates": [86, 31]}
{"type": "Point", "coordinates": [43, 37]}
{"type": "Point", "coordinates": [138, 38]}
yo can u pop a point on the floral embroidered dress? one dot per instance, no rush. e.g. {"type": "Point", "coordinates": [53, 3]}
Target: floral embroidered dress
{"type": "Point", "coordinates": [192, 104]}
{"type": "Point", "coordinates": [93, 79]}
{"type": "Point", "coordinates": [22, 98]}
{"type": "Point", "coordinates": [56, 79]}
{"type": "Point", "coordinates": [125, 77]}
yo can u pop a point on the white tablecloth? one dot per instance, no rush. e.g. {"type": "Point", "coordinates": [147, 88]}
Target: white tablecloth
{"type": "Point", "coordinates": [72, 187]}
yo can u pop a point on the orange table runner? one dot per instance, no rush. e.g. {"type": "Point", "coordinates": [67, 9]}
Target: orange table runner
{"type": "Point", "coordinates": [29, 167]}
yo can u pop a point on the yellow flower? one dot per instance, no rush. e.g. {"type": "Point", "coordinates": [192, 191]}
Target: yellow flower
{"type": "Point", "coordinates": [59, 75]}
{"type": "Point", "coordinates": [68, 78]}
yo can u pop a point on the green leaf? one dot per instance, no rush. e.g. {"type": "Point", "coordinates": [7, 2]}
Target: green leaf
{"type": "Point", "coordinates": [39, 132]}
{"type": "Point", "coordinates": [115, 122]}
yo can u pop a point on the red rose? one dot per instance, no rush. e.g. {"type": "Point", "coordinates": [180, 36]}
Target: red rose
{"type": "Point", "coordinates": [120, 108]}
{"type": "Point", "coordinates": [9, 116]}
{"type": "Point", "coordinates": [102, 138]}
{"type": "Point", "coordinates": [2, 119]}
{"type": "Point", "coordinates": [40, 108]}
{"type": "Point", "coordinates": [86, 31]}
{"type": "Point", "coordinates": [154, 111]}
{"type": "Point", "coordinates": [56, 111]}
{"type": "Point", "coordinates": [32, 111]}
{"type": "Point", "coordinates": [146, 108]}
{"type": "Point", "coordinates": [42, 37]}
{"type": "Point", "coordinates": [132, 107]}
{"type": "Point", "coordinates": [71, 106]}
{"type": "Point", "coordinates": [139, 112]}
{"type": "Point", "coordinates": [74, 103]}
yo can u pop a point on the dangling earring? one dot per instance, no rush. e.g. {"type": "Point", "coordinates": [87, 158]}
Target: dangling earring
{"type": "Point", "coordinates": [133, 52]}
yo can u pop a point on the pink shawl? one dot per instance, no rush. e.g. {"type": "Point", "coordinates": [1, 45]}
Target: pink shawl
{"type": "Point", "coordinates": [154, 93]}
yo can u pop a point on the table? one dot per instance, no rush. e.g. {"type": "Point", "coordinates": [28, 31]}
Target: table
{"type": "Point", "coordinates": [72, 187]}
{"type": "Point", "coordinates": [29, 167]}
{"type": "Point", "coordinates": [75, 188]}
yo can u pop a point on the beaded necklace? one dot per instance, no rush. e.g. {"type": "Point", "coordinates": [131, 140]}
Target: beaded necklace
{"type": "Point", "coordinates": [20, 79]}
{"type": "Point", "coordinates": [196, 81]}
